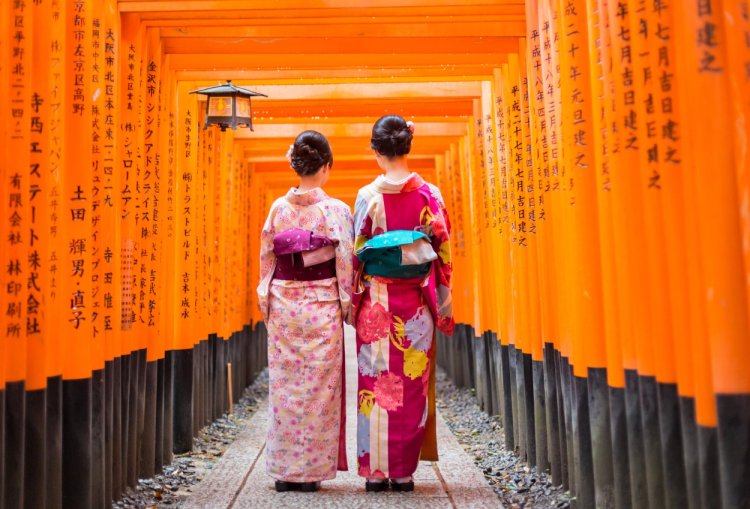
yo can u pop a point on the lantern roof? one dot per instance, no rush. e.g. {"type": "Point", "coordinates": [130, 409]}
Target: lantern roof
{"type": "Point", "coordinates": [227, 89]}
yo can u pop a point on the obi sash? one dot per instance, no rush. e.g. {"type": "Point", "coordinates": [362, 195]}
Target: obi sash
{"type": "Point", "coordinates": [397, 254]}
{"type": "Point", "coordinates": [303, 256]}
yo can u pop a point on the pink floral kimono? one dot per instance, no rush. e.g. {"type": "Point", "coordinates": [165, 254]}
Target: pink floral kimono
{"type": "Point", "coordinates": [395, 321]}
{"type": "Point", "coordinates": [304, 309]}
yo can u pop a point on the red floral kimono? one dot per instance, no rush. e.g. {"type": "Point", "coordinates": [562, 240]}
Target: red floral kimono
{"type": "Point", "coordinates": [395, 321]}
{"type": "Point", "coordinates": [304, 316]}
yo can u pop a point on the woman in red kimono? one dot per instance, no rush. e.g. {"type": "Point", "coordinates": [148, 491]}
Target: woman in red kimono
{"type": "Point", "coordinates": [305, 297]}
{"type": "Point", "coordinates": [396, 316]}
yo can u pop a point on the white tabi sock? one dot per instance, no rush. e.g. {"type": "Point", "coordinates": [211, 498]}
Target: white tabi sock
{"type": "Point", "coordinates": [402, 480]}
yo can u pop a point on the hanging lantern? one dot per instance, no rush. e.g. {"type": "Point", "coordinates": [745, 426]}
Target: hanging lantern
{"type": "Point", "coordinates": [228, 106]}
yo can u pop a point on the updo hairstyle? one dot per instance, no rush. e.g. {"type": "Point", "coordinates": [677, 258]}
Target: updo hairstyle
{"type": "Point", "coordinates": [391, 136]}
{"type": "Point", "coordinates": [309, 153]}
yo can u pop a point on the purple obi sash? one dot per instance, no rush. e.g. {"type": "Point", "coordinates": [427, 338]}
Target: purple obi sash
{"type": "Point", "coordinates": [303, 256]}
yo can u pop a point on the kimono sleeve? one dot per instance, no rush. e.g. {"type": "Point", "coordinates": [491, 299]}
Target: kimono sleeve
{"type": "Point", "coordinates": [344, 271]}
{"type": "Point", "coordinates": [267, 262]}
{"type": "Point", "coordinates": [443, 265]}
{"type": "Point", "coordinates": [362, 224]}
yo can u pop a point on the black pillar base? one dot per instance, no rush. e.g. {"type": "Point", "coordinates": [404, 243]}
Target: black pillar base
{"type": "Point", "coordinates": [601, 439]}
{"type": "Point", "coordinates": [183, 401]}
{"type": "Point", "coordinates": [147, 453]}
{"type": "Point", "coordinates": [584, 463]}
{"type": "Point", "coordinates": [35, 482]}
{"type": "Point", "coordinates": [618, 423]}
{"type": "Point", "coordinates": [54, 449]}
{"type": "Point", "coordinates": [636, 453]}
{"type": "Point", "coordinates": [98, 497]}
{"type": "Point", "coordinates": [15, 427]}
{"type": "Point", "coordinates": [734, 447]}
{"type": "Point", "coordinates": [552, 422]}
{"type": "Point", "coordinates": [649, 395]}
{"type": "Point", "coordinates": [675, 483]}
{"type": "Point", "coordinates": [77, 435]}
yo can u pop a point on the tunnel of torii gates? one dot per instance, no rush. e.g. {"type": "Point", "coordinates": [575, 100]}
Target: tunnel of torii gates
{"type": "Point", "coordinates": [594, 159]}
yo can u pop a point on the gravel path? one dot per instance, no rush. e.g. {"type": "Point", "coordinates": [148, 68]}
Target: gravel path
{"type": "Point", "coordinates": [481, 435]}
{"type": "Point", "coordinates": [187, 470]}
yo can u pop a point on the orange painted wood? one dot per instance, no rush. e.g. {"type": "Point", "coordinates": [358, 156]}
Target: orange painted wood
{"type": "Point", "coordinates": [604, 136]}
{"type": "Point", "coordinates": [57, 301]}
{"type": "Point", "coordinates": [18, 213]}
{"type": "Point", "coordinates": [518, 332]}
{"type": "Point", "coordinates": [359, 146]}
{"type": "Point", "coordinates": [323, 110]}
{"type": "Point", "coordinates": [385, 72]}
{"type": "Point", "coordinates": [130, 37]}
{"type": "Point", "coordinates": [95, 74]}
{"type": "Point", "coordinates": [710, 141]}
{"type": "Point", "coordinates": [477, 227]}
{"type": "Point", "coordinates": [299, 5]}
{"type": "Point", "coordinates": [185, 217]}
{"type": "Point", "coordinates": [501, 229]}
{"type": "Point", "coordinates": [343, 168]}
{"type": "Point", "coordinates": [537, 179]}
{"type": "Point", "coordinates": [362, 46]}
{"type": "Point", "coordinates": [341, 130]}
{"type": "Point", "coordinates": [331, 60]}
{"type": "Point", "coordinates": [16, 209]}
{"type": "Point", "coordinates": [490, 147]}
{"type": "Point", "coordinates": [168, 198]}
{"type": "Point", "coordinates": [36, 329]}
{"type": "Point", "coordinates": [652, 152]}
{"type": "Point", "coordinates": [76, 199]}
{"type": "Point", "coordinates": [671, 171]}
{"type": "Point", "coordinates": [149, 228]}
{"type": "Point", "coordinates": [554, 196]}
{"type": "Point", "coordinates": [527, 182]}
{"type": "Point", "coordinates": [583, 240]}
{"type": "Point", "coordinates": [628, 218]}
{"type": "Point", "coordinates": [518, 184]}
{"type": "Point", "coordinates": [738, 53]}
{"type": "Point", "coordinates": [358, 91]}
{"type": "Point", "coordinates": [4, 183]}
{"type": "Point", "coordinates": [204, 167]}
{"type": "Point", "coordinates": [459, 221]}
{"type": "Point", "coordinates": [540, 41]}
{"type": "Point", "coordinates": [379, 28]}
{"type": "Point", "coordinates": [182, 23]}
{"type": "Point", "coordinates": [163, 214]}
{"type": "Point", "coordinates": [110, 198]}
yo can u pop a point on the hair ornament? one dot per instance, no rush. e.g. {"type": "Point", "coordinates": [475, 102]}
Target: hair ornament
{"type": "Point", "coordinates": [410, 125]}
{"type": "Point", "coordinates": [289, 153]}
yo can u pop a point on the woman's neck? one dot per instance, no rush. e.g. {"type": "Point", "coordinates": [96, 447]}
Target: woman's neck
{"type": "Point", "coordinates": [396, 168]}
{"type": "Point", "coordinates": [311, 182]}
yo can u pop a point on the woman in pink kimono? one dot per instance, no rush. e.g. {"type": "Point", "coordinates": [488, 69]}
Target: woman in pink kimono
{"type": "Point", "coordinates": [396, 314]}
{"type": "Point", "coordinates": [305, 297]}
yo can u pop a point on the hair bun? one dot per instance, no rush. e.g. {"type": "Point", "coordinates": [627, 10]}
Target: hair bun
{"type": "Point", "coordinates": [309, 153]}
{"type": "Point", "coordinates": [392, 136]}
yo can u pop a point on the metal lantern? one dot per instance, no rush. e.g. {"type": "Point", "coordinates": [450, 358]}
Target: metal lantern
{"type": "Point", "coordinates": [228, 106]}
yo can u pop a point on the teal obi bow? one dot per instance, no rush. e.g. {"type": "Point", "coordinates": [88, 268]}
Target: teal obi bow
{"type": "Point", "coordinates": [398, 254]}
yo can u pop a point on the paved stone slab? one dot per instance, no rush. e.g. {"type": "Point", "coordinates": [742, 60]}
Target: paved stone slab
{"type": "Point", "coordinates": [219, 488]}
{"type": "Point", "coordinates": [239, 479]}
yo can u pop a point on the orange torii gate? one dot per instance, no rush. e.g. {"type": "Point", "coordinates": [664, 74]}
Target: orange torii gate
{"type": "Point", "coordinates": [593, 156]}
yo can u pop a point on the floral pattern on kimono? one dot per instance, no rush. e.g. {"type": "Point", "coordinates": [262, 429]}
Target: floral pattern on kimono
{"type": "Point", "coordinates": [395, 321]}
{"type": "Point", "coordinates": [305, 320]}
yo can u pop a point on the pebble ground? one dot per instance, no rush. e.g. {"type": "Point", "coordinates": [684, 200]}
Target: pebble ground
{"type": "Point", "coordinates": [481, 436]}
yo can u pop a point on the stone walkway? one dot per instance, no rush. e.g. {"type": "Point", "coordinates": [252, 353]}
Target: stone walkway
{"type": "Point", "coordinates": [239, 480]}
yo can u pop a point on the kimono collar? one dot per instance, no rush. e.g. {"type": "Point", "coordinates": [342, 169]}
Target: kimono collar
{"type": "Point", "coordinates": [309, 197]}
{"type": "Point", "coordinates": [385, 186]}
